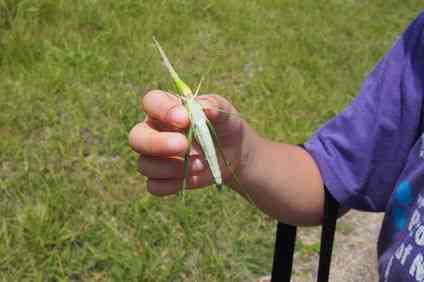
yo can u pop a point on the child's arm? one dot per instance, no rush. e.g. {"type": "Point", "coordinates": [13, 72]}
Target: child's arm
{"type": "Point", "coordinates": [283, 180]}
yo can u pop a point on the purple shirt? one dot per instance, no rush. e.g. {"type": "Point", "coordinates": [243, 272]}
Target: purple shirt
{"type": "Point", "coordinates": [371, 156]}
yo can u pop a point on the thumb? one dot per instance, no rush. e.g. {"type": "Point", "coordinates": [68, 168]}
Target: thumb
{"type": "Point", "coordinates": [218, 109]}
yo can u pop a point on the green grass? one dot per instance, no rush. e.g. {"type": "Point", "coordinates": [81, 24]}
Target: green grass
{"type": "Point", "coordinates": [72, 73]}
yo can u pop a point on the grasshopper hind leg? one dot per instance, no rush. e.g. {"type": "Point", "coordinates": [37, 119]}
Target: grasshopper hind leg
{"type": "Point", "coordinates": [187, 161]}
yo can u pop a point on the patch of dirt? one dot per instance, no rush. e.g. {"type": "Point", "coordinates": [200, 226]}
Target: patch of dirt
{"type": "Point", "coordinates": [354, 253]}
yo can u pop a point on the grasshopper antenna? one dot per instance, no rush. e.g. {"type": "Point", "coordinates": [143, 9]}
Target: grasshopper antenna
{"type": "Point", "coordinates": [203, 77]}
{"type": "Point", "coordinates": [182, 88]}
{"type": "Point", "coordinates": [198, 86]}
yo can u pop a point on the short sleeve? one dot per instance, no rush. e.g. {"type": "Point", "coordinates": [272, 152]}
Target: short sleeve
{"type": "Point", "coordinates": [362, 151]}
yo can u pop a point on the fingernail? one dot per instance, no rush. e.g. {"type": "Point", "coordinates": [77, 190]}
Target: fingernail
{"type": "Point", "coordinates": [179, 115]}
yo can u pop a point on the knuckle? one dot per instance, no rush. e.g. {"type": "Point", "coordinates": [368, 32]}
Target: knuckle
{"type": "Point", "coordinates": [217, 100]}
{"type": "Point", "coordinates": [150, 94]}
{"type": "Point", "coordinates": [153, 189]}
{"type": "Point", "coordinates": [147, 98]}
{"type": "Point", "coordinates": [132, 136]}
{"type": "Point", "coordinates": [150, 187]}
{"type": "Point", "coordinates": [139, 139]}
{"type": "Point", "coordinates": [150, 99]}
{"type": "Point", "coordinates": [158, 104]}
{"type": "Point", "coordinates": [140, 166]}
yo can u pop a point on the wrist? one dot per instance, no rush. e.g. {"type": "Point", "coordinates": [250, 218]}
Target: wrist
{"type": "Point", "coordinates": [248, 149]}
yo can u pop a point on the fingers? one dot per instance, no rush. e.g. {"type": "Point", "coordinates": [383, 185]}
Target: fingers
{"type": "Point", "coordinates": [164, 187]}
{"type": "Point", "coordinates": [165, 108]}
{"type": "Point", "coordinates": [165, 176]}
{"type": "Point", "coordinates": [169, 168]}
{"type": "Point", "coordinates": [228, 125]}
{"type": "Point", "coordinates": [164, 112]}
{"type": "Point", "coordinates": [217, 108]}
{"type": "Point", "coordinates": [147, 141]}
{"type": "Point", "coordinates": [159, 141]}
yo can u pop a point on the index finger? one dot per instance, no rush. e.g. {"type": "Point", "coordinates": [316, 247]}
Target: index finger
{"type": "Point", "coordinates": [150, 142]}
{"type": "Point", "coordinates": [166, 108]}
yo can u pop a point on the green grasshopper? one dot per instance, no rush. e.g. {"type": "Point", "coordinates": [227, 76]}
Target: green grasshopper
{"type": "Point", "coordinates": [200, 127]}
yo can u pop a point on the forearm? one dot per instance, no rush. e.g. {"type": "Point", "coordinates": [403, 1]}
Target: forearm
{"type": "Point", "coordinates": [283, 180]}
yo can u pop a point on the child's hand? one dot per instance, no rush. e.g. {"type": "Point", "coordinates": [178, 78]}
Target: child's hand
{"type": "Point", "coordinates": [281, 179]}
{"type": "Point", "coordinates": [161, 142]}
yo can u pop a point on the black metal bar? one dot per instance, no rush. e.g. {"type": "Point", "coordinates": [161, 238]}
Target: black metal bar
{"type": "Point", "coordinates": [327, 236]}
{"type": "Point", "coordinates": [283, 253]}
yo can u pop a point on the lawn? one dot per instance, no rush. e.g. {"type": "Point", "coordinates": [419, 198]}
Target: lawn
{"type": "Point", "coordinates": [72, 74]}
